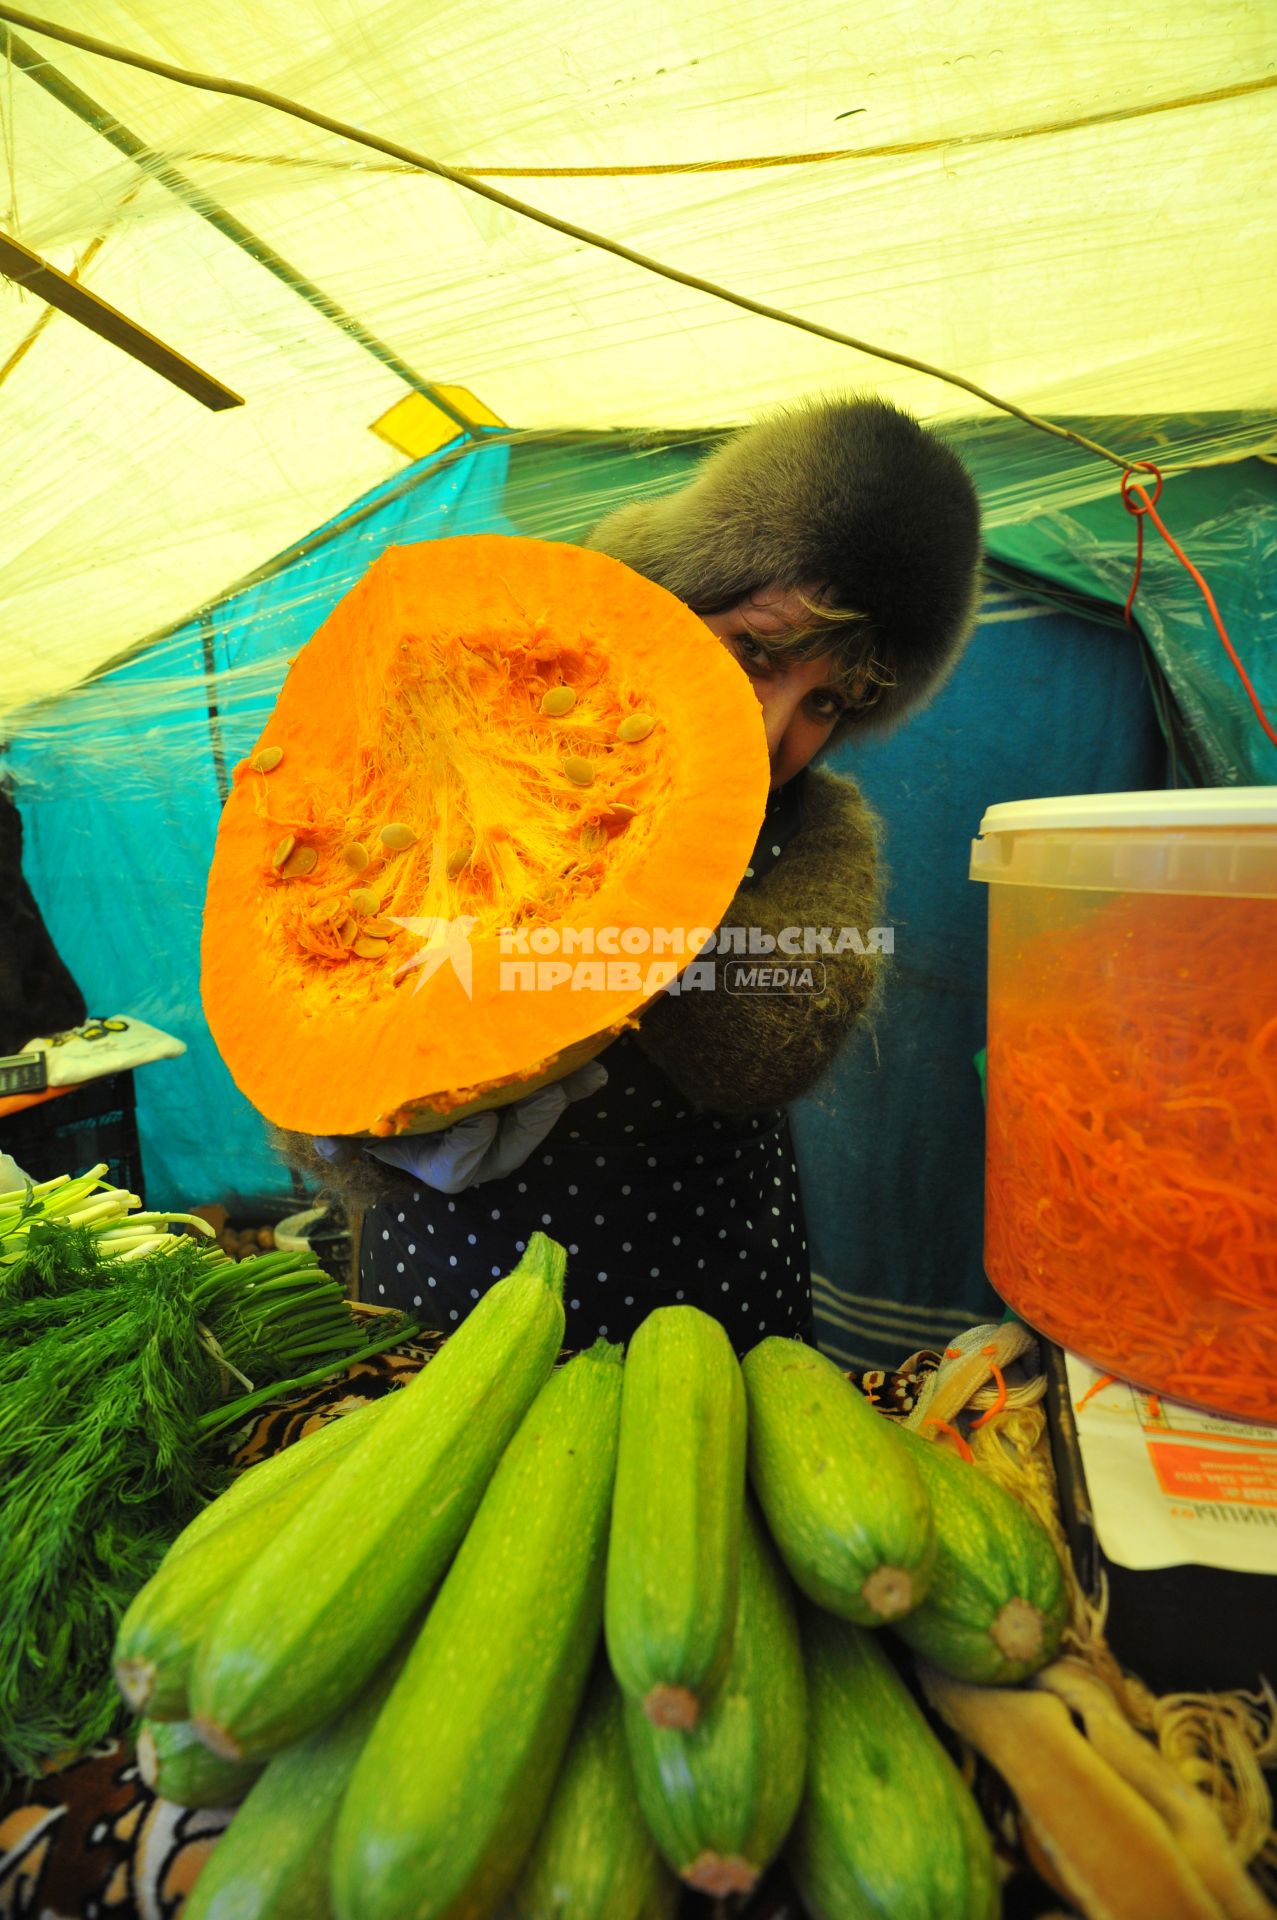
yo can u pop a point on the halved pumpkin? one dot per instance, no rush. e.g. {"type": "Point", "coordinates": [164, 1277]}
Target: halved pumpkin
{"type": "Point", "coordinates": [500, 772]}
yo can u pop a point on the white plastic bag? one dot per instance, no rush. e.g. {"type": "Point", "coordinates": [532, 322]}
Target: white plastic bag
{"type": "Point", "coordinates": [103, 1046]}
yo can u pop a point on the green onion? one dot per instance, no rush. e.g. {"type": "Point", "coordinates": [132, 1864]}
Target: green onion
{"type": "Point", "coordinates": [116, 1337]}
{"type": "Point", "coordinates": [222, 1417]}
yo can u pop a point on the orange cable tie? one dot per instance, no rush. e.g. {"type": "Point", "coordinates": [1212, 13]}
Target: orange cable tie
{"type": "Point", "coordinates": [963, 1450]}
{"type": "Point", "coordinates": [1000, 1401]}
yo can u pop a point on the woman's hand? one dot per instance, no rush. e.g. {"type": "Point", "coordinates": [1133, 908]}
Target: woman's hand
{"type": "Point", "coordinates": [482, 1147]}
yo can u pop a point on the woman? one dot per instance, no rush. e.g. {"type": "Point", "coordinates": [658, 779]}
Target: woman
{"type": "Point", "coordinates": [834, 550]}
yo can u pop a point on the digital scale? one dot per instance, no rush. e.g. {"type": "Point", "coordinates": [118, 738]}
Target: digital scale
{"type": "Point", "coordinates": [23, 1073]}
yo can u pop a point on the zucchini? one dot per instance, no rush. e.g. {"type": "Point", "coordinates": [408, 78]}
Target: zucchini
{"type": "Point", "coordinates": [721, 1799]}
{"type": "Point", "coordinates": [594, 1858]}
{"type": "Point", "coordinates": [319, 1610]}
{"type": "Point", "coordinates": [272, 1861]}
{"type": "Point", "coordinates": [452, 1787]}
{"type": "Point", "coordinates": [845, 1503]}
{"type": "Point", "coordinates": [268, 1476]}
{"type": "Point", "coordinates": [673, 1563]}
{"type": "Point", "coordinates": [887, 1829]}
{"type": "Point", "coordinates": [163, 1625]}
{"type": "Point", "coordinates": [175, 1764]}
{"type": "Point", "coordinates": [997, 1604]}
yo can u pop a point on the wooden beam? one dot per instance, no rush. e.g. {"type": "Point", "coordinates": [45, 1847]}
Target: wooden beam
{"type": "Point", "coordinates": [27, 269]}
{"type": "Point", "coordinates": [155, 166]}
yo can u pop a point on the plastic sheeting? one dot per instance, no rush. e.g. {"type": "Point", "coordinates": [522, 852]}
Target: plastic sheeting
{"type": "Point", "coordinates": [121, 785]}
{"type": "Point", "coordinates": [1225, 520]}
{"type": "Point", "coordinates": [891, 1147]}
{"type": "Point", "coordinates": [121, 782]}
{"type": "Point", "coordinates": [1070, 205]}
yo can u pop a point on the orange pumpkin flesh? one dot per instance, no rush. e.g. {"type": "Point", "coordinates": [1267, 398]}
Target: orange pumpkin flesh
{"type": "Point", "coordinates": [415, 769]}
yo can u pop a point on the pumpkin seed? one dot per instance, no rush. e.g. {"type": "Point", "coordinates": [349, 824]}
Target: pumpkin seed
{"type": "Point", "coordinates": [347, 931]}
{"type": "Point", "coordinates": [369, 949]}
{"type": "Point", "coordinates": [380, 929]}
{"type": "Point", "coordinates": [363, 900]}
{"type": "Point", "coordinates": [266, 759]}
{"type": "Point", "coordinates": [282, 851]}
{"type": "Point", "coordinates": [300, 862]}
{"type": "Point", "coordinates": [355, 854]}
{"type": "Point", "coordinates": [579, 772]}
{"type": "Point", "coordinates": [593, 837]}
{"type": "Point", "coordinates": [397, 836]}
{"type": "Point", "coordinates": [557, 702]}
{"type": "Point", "coordinates": [459, 860]}
{"type": "Point", "coordinates": [635, 727]}
{"type": "Point", "coordinates": [619, 811]}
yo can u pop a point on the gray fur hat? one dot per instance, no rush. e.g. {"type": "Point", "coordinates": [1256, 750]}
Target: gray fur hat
{"type": "Point", "coordinates": [853, 497]}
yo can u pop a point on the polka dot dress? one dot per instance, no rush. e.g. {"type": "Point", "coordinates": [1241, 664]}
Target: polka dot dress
{"type": "Point", "coordinates": [656, 1202]}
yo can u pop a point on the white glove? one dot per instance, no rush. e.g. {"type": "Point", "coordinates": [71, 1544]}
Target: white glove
{"type": "Point", "coordinates": [483, 1146]}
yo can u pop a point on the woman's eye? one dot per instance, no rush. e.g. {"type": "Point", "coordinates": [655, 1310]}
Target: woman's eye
{"type": "Point", "coordinates": [751, 651]}
{"type": "Point", "coordinates": [827, 707]}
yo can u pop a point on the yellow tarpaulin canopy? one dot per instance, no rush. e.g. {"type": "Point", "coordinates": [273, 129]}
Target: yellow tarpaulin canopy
{"type": "Point", "coordinates": [1068, 204]}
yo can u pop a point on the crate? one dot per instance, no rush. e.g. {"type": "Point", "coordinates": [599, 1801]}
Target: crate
{"type": "Point", "coordinates": [94, 1122]}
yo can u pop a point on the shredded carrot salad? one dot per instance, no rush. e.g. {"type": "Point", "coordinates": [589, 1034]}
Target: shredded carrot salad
{"type": "Point", "coordinates": [1131, 1188]}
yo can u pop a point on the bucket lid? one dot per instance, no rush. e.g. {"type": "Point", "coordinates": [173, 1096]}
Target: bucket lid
{"type": "Point", "coordinates": [1178, 807]}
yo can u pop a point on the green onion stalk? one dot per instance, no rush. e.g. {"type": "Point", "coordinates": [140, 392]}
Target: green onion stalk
{"type": "Point", "coordinates": [126, 1350]}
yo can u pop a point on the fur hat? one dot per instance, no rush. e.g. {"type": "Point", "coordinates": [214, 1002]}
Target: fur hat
{"type": "Point", "coordinates": [852, 497]}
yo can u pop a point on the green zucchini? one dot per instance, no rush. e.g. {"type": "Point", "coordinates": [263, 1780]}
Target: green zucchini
{"type": "Point", "coordinates": [673, 1563]}
{"type": "Point", "coordinates": [318, 1612]}
{"type": "Point", "coordinates": [887, 1829]}
{"type": "Point", "coordinates": [594, 1858]}
{"type": "Point", "coordinates": [998, 1602]}
{"type": "Point", "coordinates": [266, 1477]}
{"type": "Point", "coordinates": [845, 1503]}
{"type": "Point", "coordinates": [272, 1862]}
{"type": "Point", "coordinates": [451, 1789]}
{"type": "Point", "coordinates": [175, 1764]}
{"type": "Point", "coordinates": [160, 1634]}
{"type": "Point", "coordinates": [721, 1799]}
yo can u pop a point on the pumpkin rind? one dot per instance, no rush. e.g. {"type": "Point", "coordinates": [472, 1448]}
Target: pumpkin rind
{"type": "Point", "coordinates": [419, 700]}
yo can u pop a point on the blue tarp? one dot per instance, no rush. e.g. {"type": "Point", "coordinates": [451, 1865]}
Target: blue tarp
{"type": "Point", "coordinates": [121, 784]}
{"type": "Point", "coordinates": [892, 1146]}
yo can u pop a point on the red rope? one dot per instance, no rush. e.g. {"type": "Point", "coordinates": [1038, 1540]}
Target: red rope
{"type": "Point", "coordinates": [1146, 506]}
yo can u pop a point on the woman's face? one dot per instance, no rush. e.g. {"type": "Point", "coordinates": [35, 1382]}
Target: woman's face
{"type": "Point", "coordinates": [801, 705]}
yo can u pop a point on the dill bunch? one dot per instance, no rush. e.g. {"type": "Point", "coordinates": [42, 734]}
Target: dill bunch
{"type": "Point", "coordinates": [114, 1378]}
